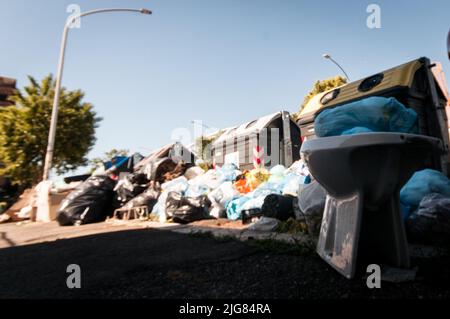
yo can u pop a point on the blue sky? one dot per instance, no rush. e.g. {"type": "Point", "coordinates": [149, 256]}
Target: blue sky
{"type": "Point", "coordinates": [221, 61]}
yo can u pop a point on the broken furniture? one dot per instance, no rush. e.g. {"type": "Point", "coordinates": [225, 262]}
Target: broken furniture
{"type": "Point", "coordinates": [140, 212]}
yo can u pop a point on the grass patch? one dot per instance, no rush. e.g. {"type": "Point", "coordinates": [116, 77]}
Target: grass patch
{"type": "Point", "coordinates": [270, 245]}
{"type": "Point", "coordinates": [292, 226]}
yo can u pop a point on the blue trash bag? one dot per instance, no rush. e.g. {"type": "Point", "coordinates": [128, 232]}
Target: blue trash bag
{"type": "Point", "coordinates": [227, 173]}
{"type": "Point", "coordinates": [266, 188]}
{"type": "Point", "coordinates": [277, 174]}
{"type": "Point", "coordinates": [234, 207]}
{"type": "Point", "coordinates": [196, 190]}
{"type": "Point", "coordinates": [293, 182]}
{"type": "Point", "coordinates": [356, 130]}
{"type": "Point", "coordinates": [373, 114]}
{"type": "Point", "coordinates": [422, 183]}
{"type": "Point", "coordinates": [252, 200]}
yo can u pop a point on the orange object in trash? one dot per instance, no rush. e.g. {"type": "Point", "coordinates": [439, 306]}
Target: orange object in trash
{"type": "Point", "coordinates": [242, 187]}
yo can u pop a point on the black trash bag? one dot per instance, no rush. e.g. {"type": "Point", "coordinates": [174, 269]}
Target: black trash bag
{"type": "Point", "coordinates": [311, 203]}
{"type": "Point", "coordinates": [128, 187]}
{"type": "Point", "coordinates": [147, 198]}
{"type": "Point", "coordinates": [430, 223]}
{"type": "Point", "coordinates": [90, 202]}
{"type": "Point", "coordinates": [248, 214]}
{"type": "Point", "coordinates": [278, 206]}
{"type": "Point", "coordinates": [185, 210]}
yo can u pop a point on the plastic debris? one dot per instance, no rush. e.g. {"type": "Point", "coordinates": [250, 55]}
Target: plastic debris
{"type": "Point", "coordinates": [255, 177]}
{"type": "Point", "coordinates": [423, 182]}
{"type": "Point", "coordinates": [227, 173]}
{"type": "Point", "coordinates": [277, 174]}
{"type": "Point", "coordinates": [234, 207]}
{"type": "Point", "coordinates": [377, 114]}
{"type": "Point", "coordinates": [183, 209]}
{"type": "Point", "coordinates": [193, 172]}
{"type": "Point", "coordinates": [430, 224]}
{"type": "Point", "coordinates": [311, 202]}
{"type": "Point", "coordinates": [242, 186]}
{"type": "Point", "coordinates": [220, 197]}
{"type": "Point", "coordinates": [264, 224]}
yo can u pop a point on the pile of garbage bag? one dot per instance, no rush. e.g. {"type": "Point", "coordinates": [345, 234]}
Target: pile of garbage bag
{"type": "Point", "coordinates": [174, 191]}
{"type": "Point", "coordinates": [96, 198]}
{"type": "Point", "coordinates": [185, 193]}
{"type": "Point", "coordinates": [181, 193]}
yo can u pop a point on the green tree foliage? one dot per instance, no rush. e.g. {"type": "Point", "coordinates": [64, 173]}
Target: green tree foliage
{"type": "Point", "coordinates": [322, 86]}
{"type": "Point", "coordinates": [203, 145]}
{"type": "Point", "coordinates": [24, 131]}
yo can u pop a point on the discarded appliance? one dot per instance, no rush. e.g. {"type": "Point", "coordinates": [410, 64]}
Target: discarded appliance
{"type": "Point", "coordinates": [265, 142]}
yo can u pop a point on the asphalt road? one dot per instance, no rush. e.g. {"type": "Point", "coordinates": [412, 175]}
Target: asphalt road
{"type": "Point", "coordinates": [149, 263]}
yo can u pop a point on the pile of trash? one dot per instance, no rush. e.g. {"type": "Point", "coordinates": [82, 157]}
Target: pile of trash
{"type": "Point", "coordinates": [174, 191]}
{"type": "Point", "coordinates": [164, 188]}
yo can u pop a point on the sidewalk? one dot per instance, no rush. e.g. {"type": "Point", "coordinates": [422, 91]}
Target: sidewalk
{"type": "Point", "coordinates": [26, 233]}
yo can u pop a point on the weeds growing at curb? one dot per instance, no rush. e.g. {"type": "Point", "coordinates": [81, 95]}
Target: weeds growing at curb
{"type": "Point", "coordinates": [292, 226]}
{"type": "Point", "coordinates": [280, 247]}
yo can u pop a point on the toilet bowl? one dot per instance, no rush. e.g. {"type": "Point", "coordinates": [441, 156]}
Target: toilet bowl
{"type": "Point", "coordinates": [362, 175]}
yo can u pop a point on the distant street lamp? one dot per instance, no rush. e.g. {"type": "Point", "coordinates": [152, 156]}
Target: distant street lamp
{"type": "Point", "coordinates": [328, 56]}
{"type": "Point", "coordinates": [448, 44]}
{"type": "Point", "coordinates": [54, 120]}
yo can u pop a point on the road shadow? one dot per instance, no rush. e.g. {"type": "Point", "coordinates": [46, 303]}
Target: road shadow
{"type": "Point", "coordinates": [155, 263]}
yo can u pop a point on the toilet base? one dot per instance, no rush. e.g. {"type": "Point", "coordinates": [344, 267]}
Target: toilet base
{"type": "Point", "coordinates": [354, 231]}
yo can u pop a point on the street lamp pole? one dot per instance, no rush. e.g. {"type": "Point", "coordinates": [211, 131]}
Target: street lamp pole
{"type": "Point", "coordinates": [328, 56]}
{"type": "Point", "coordinates": [54, 119]}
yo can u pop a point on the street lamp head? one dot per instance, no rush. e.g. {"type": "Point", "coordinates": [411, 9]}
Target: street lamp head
{"type": "Point", "coordinates": [326, 56]}
{"type": "Point", "coordinates": [145, 11]}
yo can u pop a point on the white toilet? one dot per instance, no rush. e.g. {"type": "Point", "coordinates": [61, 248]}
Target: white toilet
{"type": "Point", "coordinates": [362, 175]}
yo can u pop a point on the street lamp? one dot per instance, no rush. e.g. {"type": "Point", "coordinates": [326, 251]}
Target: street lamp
{"type": "Point", "coordinates": [328, 56]}
{"type": "Point", "coordinates": [54, 120]}
{"type": "Point", "coordinates": [448, 44]}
